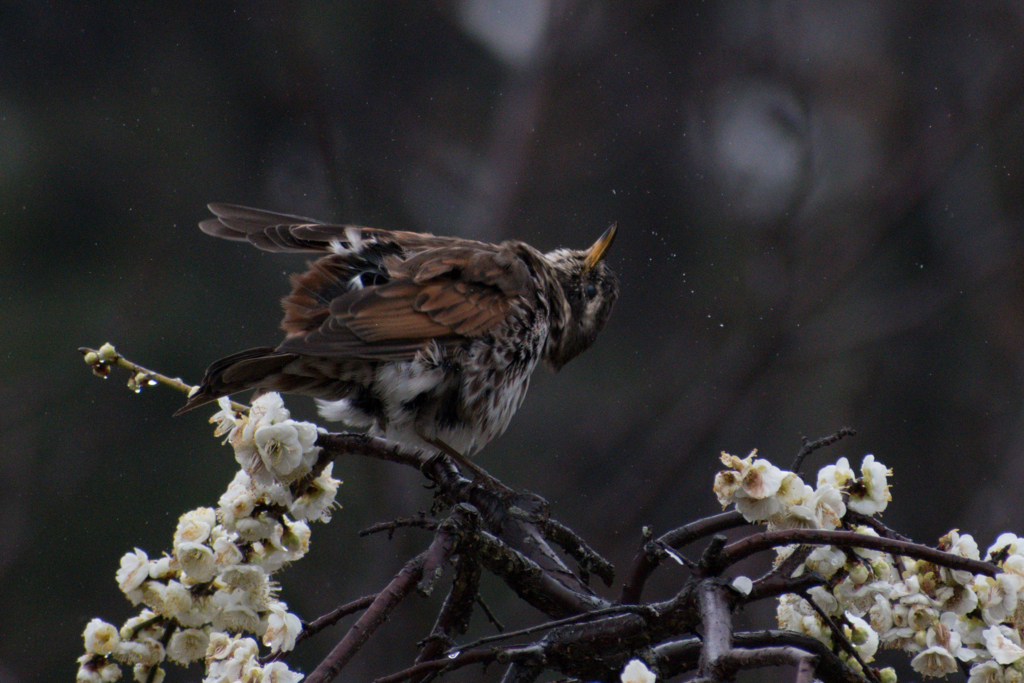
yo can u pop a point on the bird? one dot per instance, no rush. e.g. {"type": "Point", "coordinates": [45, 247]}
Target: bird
{"type": "Point", "coordinates": [424, 340]}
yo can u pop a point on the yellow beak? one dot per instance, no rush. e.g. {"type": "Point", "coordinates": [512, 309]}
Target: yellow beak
{"type": "Point", "coordinates": [596, 252]}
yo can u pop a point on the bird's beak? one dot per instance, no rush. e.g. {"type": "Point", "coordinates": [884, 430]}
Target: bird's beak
{"type": "Point", "coordinates": [596, 252]}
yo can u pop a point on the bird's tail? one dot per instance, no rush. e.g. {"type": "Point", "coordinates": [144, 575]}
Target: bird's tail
{"type": "Point", "coordinates": [240, 371]}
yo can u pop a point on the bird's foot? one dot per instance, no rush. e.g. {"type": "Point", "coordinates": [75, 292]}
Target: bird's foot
{"type": "Point", "coordinates": [480, 475]}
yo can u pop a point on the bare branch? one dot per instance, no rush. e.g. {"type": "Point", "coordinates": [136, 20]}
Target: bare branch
{"type": "Point", "coordinates": [407, 579]}
{"type": "Point", "coordinates": [811, 446]}
{"type": "Point", "coordinates": [652, 553]}
{"type": "Point", "coordinates": [766, 540]}
{"type": "Point", "coordinates": [716, 615]}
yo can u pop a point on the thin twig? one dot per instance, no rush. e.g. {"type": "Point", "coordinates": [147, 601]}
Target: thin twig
{"type": "Point", "coordinates": [334, 616]}
{"type": "Point", "coordinates": [395, 524]}
{"type": "Point", "coordinates": [107, 356]}
{"type": "Point", "coordinates": [548, 625]}
{"type": "Point", "coordinates": [811, 446]}
{"type": "Point", "coordinates": [841, 638]}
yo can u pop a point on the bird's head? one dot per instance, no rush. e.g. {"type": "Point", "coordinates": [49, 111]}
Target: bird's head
{"type": "Point", "coordinates": [590, 288]}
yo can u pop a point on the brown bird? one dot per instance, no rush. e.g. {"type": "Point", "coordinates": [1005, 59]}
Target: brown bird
{"type": "Point", "coordinates": [428, 341]}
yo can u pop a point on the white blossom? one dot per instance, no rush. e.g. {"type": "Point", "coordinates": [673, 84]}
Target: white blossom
{"type": "Point", "coordinates": [826, 560]}
{"type": "Point", "coordinates": [934, 661]}
{"type": "Point", "coordinates": [134, 570]}
{"type": "Point", "coordinates": [751, 487]}
{"type": "Point", "coordinates": [226, 552]}
{"type": "Point", "coordinates": [234, 611]}
{"type": "Point", "coordinates": [837, 476]}
{"type": "Point", "coordinates": [874, 496]}
{"type": "Point", "coordinates": [278, 672]}
{"type": "Point", "coordinates": [986, 672]}
{"type": "Point", "coordinates": [194, 526]}
{"type": "Point", "coordinates": [142, 673]}
{"type": "Point", "coordinates": [268, 409]}
{"type": "Point", "coordinates": [1003, 644]}
{"type": "Point", "coordinates": [197, 561]}
{"type": "Point", "coordinates": [279, 448]}
{"type": "Point", "coordinates": [997, 597]}
{"type": "Point", "coordinates": [142, 651]}
{"type": "Point", "coordinates": [862, 636]}
{"type": "Point", "coordinates": [100, 637]}
{"type": "Point", "coordinates": [177, 599]}
{"type": "Point", "coordinates": [317, 500]}
{"type": "Point", "coordinates": [187, 646]}
{"type": "Point", "coordinates": [743, 584]}
{"type": "Point", "coordinates": [283, 628]}
{"type": "Point", "coordinates": [257, 528]}
{"type": "Point", "coordinates": [231, 658]}
{"type": "Point", "coordinates": [637, 672]}
{"type": "Point", "coordinates": [1007, 542]}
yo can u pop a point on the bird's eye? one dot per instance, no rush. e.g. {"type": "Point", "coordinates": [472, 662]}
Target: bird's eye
{"type": "Point", "coordinates": [591, 290]}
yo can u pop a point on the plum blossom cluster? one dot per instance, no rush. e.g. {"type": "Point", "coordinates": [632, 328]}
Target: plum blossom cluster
{"type": "Point", "coordinates": [762, 492]}
{"type": "Point", "coordinates": [215, 585]}
{"type": "Point", "coordinates": [945, 619]}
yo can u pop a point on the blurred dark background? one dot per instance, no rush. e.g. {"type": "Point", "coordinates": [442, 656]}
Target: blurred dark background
{"type": "Point", "coordinates": [820, 210]}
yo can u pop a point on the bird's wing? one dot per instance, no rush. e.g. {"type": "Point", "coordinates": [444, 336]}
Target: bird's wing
{"type": "Point", "coordinates": [401, 303]}
{"type": "Point", "coordinates": [280, 232]}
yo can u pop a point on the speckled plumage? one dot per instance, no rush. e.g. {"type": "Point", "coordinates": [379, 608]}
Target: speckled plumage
{"type": "Point", "coordinates": [413, 337]}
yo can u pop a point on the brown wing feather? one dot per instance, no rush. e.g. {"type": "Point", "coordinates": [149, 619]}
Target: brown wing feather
{"type": "Point", "coordinates": [281, 232]}
{"type": "Point", "coordinates": [442, 295]}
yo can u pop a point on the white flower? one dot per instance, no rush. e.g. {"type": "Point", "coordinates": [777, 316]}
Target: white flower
{"type": "Point", "coordinates": [282, 628]}
{"type": "Point", "coordinates": [237, 502]}
{"type": "Point", "coordinates": [91, 670]}
{"type": "Point", "coordinates": [234, 611]}
{"type": "Point", "coordinates": [257, 528]}
{"type": "Point", "coordinates": [1002, 645]}
{"type": "Point", "coordinates": [826, 560]}
{"type": "Point", "coordinates": [316, 502]}
{"type": "Point", "coordinates": [751, 488]}
{"type": "Point", "coordinates": [873, 495]}
{"type": "Point", "coordinates": [226, 553]}
{"type": "Point", "coordinates": [134, 570]}
{"type": "Point", "coordinates": [962, 546]}
{"type": "Point", "coordinates": [248, 578]}
{"type": "Point", "coordinates": [279, 448]}
{"type": "Point", "coordinates": [796, 504]}
{"type": "Point", "coordinates": [637, 672]}
{"type": "Point", "coordinates": [278, 672]}
{"type": "Point", "coordinates": [295, 540]}
{"type": "Point", "coordinates": [176, 599]}
{"type": "Point", "coordinates": [143, 651]}
{"type": "Point", "coordinates": [100, 637]}
{"type": "Point", "coordinates": [194, 526]}
{"type": "Point", "coordinates": [87, 672]}
{"type": "Point", "coordinates": [141, 673]}
{"type": "Point", "coordinates": [986, 672]}
{"type": "Point", "coordinates": [1006, 542]}
{"type": "Point", "coordinates": [934, 661]}
{"type": "Point", "coordinates": [226, 419]}
{"type": "Point", "coordinates": [187, 646]}
{"type": "Point", "coordinates": [231, 658]}
{"type": "Point", "coordinates": [197, 561]}
{"type": "Point", "coordinates": [860, 633]}
{"type": "Point", "coordinates": [825, 600]}
{"type": "Point", "coordinates": [880, 615]}
{"type": "Point", "coordinates": [997, 597]}
{"type": "Point", "coordinates": [133, 627]}
{"type": "Point", "coordinates": [838, 475]}
{"type": "Point", "coordinates": [268, 409]}
{"type": "Point", "coordinates": [163, 568]}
